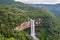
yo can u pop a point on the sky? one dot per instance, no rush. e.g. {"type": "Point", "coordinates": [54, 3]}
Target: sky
{"type": "Point", "coordinates": [39, 1]}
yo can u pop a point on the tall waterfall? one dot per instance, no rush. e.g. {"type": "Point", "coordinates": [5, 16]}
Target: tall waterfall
{"type": "Point", "coordinates": [32, 28]}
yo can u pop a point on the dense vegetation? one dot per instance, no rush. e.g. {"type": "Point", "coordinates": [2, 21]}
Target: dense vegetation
{"type": "Point", "coordinates": [10, 18]}
{"type": "Point", "coordinates": [13, 13]}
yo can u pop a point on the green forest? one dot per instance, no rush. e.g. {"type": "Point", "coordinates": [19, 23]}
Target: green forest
{"type": "Point", "coordinates": [13, 13]}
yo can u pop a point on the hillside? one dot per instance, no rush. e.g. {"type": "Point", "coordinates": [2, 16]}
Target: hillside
{"type": "Point", "coordinates": [53, 8]}
{"type": "Point", "coordinates": [13, 14]}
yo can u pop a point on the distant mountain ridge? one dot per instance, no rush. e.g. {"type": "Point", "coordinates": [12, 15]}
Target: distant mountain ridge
{"type": "Point", "coordinates": [53, 8]}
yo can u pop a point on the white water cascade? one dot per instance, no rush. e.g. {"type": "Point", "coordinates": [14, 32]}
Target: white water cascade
{"type": "Point", "coordinates": [33, 29]}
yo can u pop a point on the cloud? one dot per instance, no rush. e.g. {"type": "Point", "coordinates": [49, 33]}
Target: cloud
{"type": "Point", "coordinates": [39, 1]}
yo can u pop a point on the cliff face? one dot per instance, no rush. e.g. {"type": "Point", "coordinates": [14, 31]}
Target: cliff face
{"type": "Point", "coordinates": [26, 24]}
{"type": "Point", "coordinates": [23, 26]}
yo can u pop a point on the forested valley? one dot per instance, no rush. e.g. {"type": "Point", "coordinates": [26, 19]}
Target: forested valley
{"type": "Point", "coordinates": [14, 13]}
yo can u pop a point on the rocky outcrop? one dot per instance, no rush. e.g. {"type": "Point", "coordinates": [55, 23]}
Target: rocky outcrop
{"type": "Point", "coordinates": [23, 26]}
{"type": "Point", "coordinates": [26, 24]}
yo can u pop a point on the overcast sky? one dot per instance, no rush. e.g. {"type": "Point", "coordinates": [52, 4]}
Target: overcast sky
{"type": "Point", "coordinates": [40, 1]}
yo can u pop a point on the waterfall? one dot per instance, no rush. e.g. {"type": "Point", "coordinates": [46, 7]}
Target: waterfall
{"type": "Point", "coordinates": [33, 29]}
